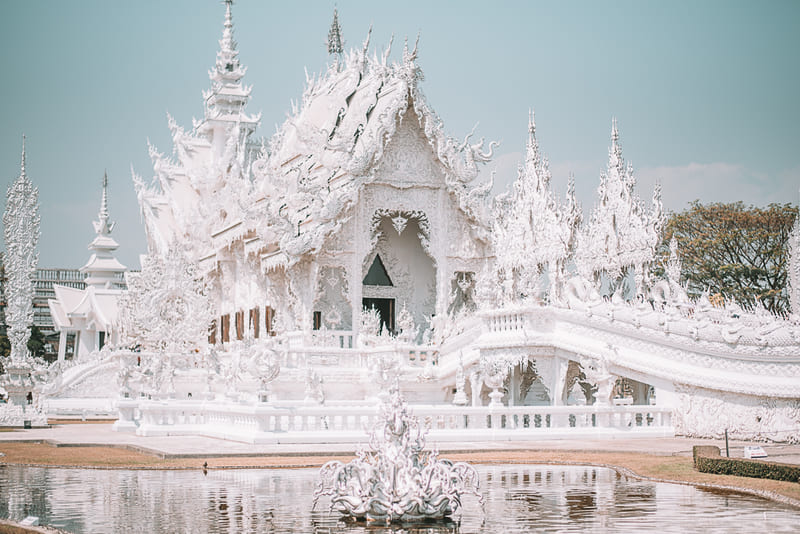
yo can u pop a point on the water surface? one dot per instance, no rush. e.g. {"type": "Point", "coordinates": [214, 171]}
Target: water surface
{"type": "Point", "coordinates": [519, 498]}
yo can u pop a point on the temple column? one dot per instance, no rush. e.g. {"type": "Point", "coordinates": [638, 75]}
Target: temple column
{"type": "Point", "coordinates": [62, 345]}
{"type": "Point", "coordinates": [356, 273]}
{"type": "Point", "coordinates": [76, 344]}
{"type": "Point", "coordinates": [513, 385]}
{"type": "Point", "coordinates": [559, 383]}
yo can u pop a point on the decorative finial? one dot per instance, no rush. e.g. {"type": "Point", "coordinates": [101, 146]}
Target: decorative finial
{"type": "Point", "coordinates": [532, 156]}
{"type": "Point", "coordinates": [102, 225]}
{"type": "Point", "coordinates": [104, 198]}
{"type": "Point", "coordinates": [22, 162]}
{"type": "Point", "coordinates": [227, 33]}
{"type": "Point", "coordinates": [335, 43]}
{"type": "Point", "coordinates": [615, 140]}
{"type": "Point", "coordinates": [531, 122]}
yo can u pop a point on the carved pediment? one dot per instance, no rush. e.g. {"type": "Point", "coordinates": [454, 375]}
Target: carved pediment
{"type": "Point", "coordinates": [408, 159]}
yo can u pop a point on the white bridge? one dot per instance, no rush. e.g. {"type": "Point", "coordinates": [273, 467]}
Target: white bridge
{"type": "Point", "coordinates": [705, 374]}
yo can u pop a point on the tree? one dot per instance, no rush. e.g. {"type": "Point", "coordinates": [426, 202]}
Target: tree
{"type": "Point", "coordinates": [36, 342]}
{"type": "Point", "coordinates": [735, 251]}
{"type": "Point", "coordinates": [5, 346]}
{"type": "Point", "coordinates": [5, 350]}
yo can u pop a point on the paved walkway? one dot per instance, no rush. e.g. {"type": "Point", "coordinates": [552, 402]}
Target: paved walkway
{"type": "Point", "coordinates": [197, 446]}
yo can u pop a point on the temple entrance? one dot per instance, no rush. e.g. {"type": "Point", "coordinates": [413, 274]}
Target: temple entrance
{"type": "Point", "coordinates": [385, 308]}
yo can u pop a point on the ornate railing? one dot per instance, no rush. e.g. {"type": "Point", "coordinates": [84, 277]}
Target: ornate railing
{"type": "Point", "coordinates": [269, 423]}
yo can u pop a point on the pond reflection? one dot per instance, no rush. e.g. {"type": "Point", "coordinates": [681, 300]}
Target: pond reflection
{"type": "Point", "coordinates": [519, 498]}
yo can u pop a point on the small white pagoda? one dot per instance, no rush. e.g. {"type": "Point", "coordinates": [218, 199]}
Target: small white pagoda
{"type": "Point", "coordinates": [90, 314]}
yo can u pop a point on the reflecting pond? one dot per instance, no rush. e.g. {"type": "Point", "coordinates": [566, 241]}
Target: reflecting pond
{"type": "Point", "coordinates": [519, 498]}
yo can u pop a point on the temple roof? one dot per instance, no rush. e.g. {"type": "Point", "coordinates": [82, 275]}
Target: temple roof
{"type": "Point", "coordinates": [333, 143]}
{"type": "Point", "coordinates": [297, 192]}
{"type": "Point", "coordinates": [73, 308]}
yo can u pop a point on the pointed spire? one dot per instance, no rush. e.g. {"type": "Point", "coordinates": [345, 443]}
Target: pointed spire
{"type": "Point", "coordinates": [22, 162]}
{"type": "Point", "coordinates": [227, 42]}
{"type": "Point", "coordinates": [227, 69]}
{"type": "Point", "coordinates": [621, 234]}
{"type": "Point", "coordinates": [335, 44]}
{"type": "Point", "coordinates": [532, 156]}
{"type": "Point", "coordinates": [102, 226]}
{"type": "Point", "coordinates": [227, 99]}
{"type": "Point", "coordinates": [103, 270]}
{"type": "Point", "coordinates": [616, 149]}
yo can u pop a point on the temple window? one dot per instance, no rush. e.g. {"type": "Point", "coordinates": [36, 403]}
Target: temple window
{"type": "Point", "coordinates": [212, 333]}
{"type": "Point", "coordinates": [226, 328]}
{"type": "Point", "coordinates": [239, 325]}
{"type": "Point", "coordinates": [254, 323]}
{"type": "Point", "coordinates": [269, 316]}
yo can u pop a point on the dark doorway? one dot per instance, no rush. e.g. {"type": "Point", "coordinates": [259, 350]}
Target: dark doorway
{"type": "Point", "coordinates": [385, 308]}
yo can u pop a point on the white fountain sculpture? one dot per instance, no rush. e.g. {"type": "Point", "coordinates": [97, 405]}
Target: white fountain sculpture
{"type": "Point", "coordinates": [395, 480]}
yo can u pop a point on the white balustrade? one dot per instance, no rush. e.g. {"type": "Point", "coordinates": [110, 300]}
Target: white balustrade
{"type": "Point", "coordinates": [262, 422]}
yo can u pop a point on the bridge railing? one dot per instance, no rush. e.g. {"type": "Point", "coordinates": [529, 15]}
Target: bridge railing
{"type": "Point", "coordinates": [256, 422]}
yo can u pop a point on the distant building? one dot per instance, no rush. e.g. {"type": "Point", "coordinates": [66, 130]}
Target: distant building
{"type": "Point", "coordinates": [85, 316]}
{"type": "Point", "coordinates": [43, 282]}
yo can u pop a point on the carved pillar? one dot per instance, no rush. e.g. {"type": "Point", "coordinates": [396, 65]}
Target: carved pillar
{"type": "Point", "coordinates": [513, 385]}
{"type": "Point", "coordinates": [559, 383]}
{"type": "Point", "coordinates": [355, 270]}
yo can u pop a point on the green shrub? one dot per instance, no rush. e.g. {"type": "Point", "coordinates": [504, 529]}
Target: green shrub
{"type": "Point", "coordinates": [708, 460]}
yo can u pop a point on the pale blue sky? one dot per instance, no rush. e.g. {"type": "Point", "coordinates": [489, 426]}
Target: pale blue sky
{"type": "Point", "coordinates": [707, 94]}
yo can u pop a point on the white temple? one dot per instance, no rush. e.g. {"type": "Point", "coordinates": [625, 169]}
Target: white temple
{"type": "Point", "coordinates": [90, 314]}
{"type": "Point", "coordinates": [359, 246]}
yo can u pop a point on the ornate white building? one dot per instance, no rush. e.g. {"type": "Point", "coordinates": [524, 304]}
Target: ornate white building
{"type": "Point", "coordinates": [359, 245]}
{"type": "Point", "coordinates": [90, 314]}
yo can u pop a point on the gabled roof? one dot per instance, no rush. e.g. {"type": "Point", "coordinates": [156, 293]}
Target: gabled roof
{"type": "Point", "coordinates": [90, 304]}
{"type": "Point", "coordinates": [298, 192]}
{"type": "Point", "coordinates": [333, 144]}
